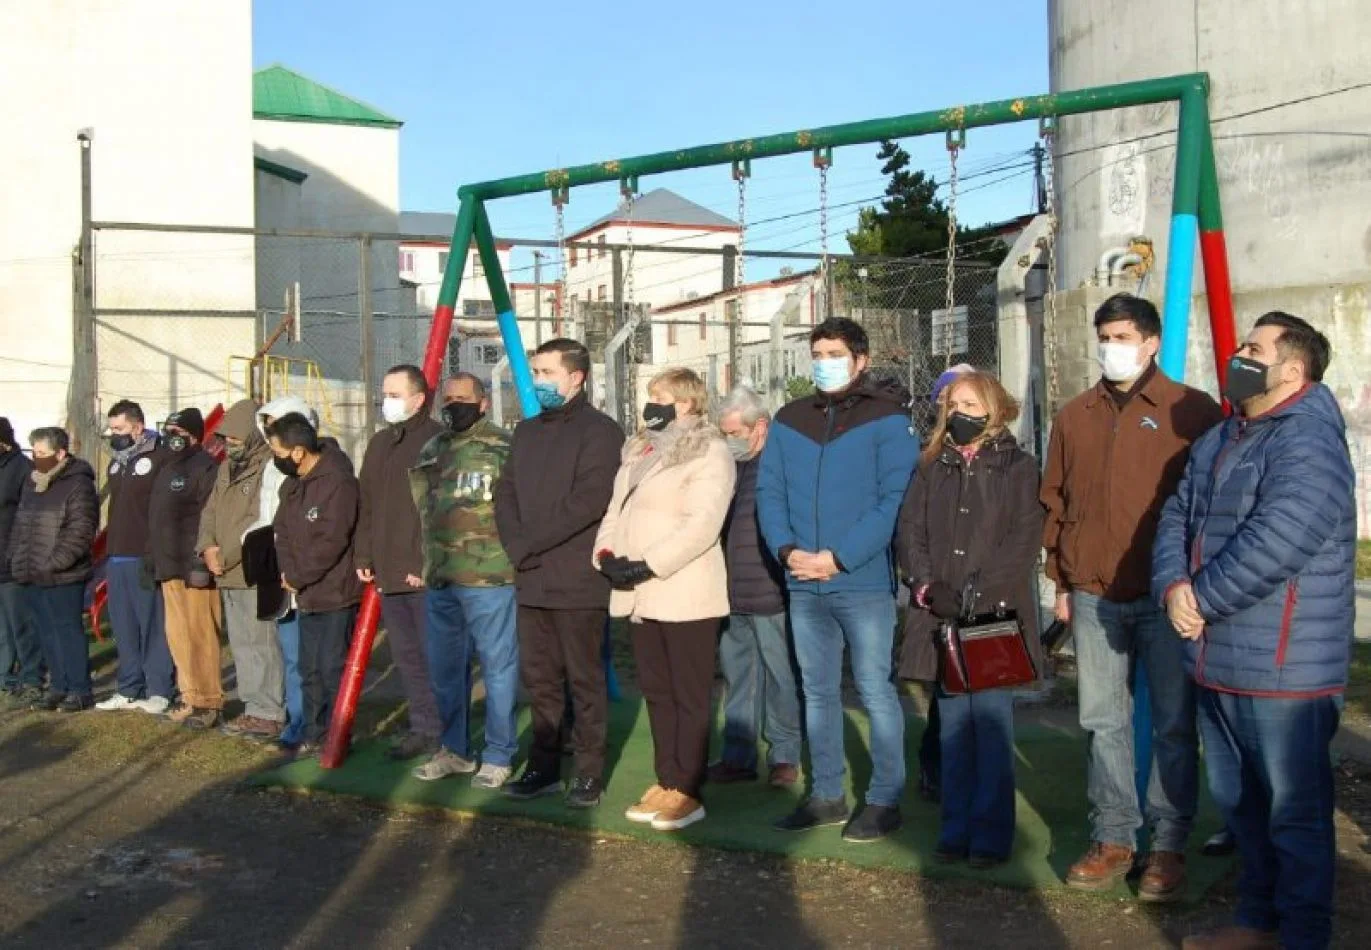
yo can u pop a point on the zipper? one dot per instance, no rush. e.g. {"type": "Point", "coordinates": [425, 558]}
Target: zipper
{"type": "Point", "coordinates": [829, 414]}
{"type": "Point", "coordinates": [1292, 597]}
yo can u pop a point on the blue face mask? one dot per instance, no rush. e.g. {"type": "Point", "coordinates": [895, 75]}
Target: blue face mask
{"type": "Point", "coordinates": [549, 397]}
{"type": "Point", "coordinates": [832, 375]}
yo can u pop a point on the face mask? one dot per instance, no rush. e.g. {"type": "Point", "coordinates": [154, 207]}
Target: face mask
{"type": "Point", "coordinates": [236, 453]}
{"type": "Point", "coordinates": [287, 466]}
{"type": "Point", "coordinates": [1246, 379]}
{"type": "Point", "coordinates": [121, 443]}
{"type": "Point", "coordinates": [658, 415]}
{"type": "Point", "coordinates": [738, 447]}
{"type": "Point", "coordinates": [393, 410]}
{"type": "Point", "coordinates": [45, 464]}
{"type": "Point", "coordinates": [1120, 362]}
{"type": "Point", "coordinates": [177, 443]}
{"type": "Point", "coordinates": [832, 374]}
{"type": "Point", "coordinates": [964, 429]}
{"type": "Point", "coordinates": [461, 416]}
{"type": "Point", "coordinates": [549, 396]}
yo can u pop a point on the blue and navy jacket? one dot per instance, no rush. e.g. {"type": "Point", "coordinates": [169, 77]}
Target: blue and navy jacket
{"type": "Point", "coordinates": [1264, 526]}
{"type": "Point", "coordinates": [833, 476]}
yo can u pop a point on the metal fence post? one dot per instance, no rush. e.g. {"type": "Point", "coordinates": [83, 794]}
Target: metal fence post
{"type": "Point", "coordinates": [497, 390]}
{"type": "Point", "coordinates": [614, 401]}
{"type": "Point", "coordinates": [83, 391]}
{"type": "Point", "coordinates": [367, 330]}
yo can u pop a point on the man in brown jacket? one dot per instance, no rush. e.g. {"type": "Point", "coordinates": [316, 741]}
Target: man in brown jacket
{"type": "Point", "coordinates": [390, 550]}
{"type": "Point", "coordinates": [315, 525]}
{"type": "Point", "coordinates": [549, 501]}
{"type": "Point", "coordinates": [1117, 452]}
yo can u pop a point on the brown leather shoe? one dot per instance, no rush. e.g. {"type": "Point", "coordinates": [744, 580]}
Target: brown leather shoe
{"type": "Point", "coordinates": [783, 775]}
{"type": "Point", "coordinates": [1103, 866]}
{"type": "Point", "coordinates": [726, 773]}
{"type": "Point", "coordinates": [1233, 938]}
{"type": "Point", "coordinates": [1163, 877]}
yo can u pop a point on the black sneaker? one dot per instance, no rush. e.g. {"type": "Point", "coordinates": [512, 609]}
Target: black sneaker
{"type": "Point", "coordinates": [814, 813]}
{"type": "Point", "coordinates": [202, 719]}
{"type": "Point", "coordinates": [50, 701]}
{"type": "Point", "coordinates": [75, 703]}
{"type": "Point", "coordinates": [532, 785]}
{"type": "Point", "coordinates": [1220, 845]}
{"type": "Point", "coordinates": [585, 793]}
{"type": "Point", "coordinates": [873, 823]}
{"type": "Point", "coordinates": [411, 746]}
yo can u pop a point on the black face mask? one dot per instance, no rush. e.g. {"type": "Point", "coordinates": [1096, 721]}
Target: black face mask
{"type": "Point", "coordinates": [461, 416]}
{"type": "Point", "coordinates": [1246, 378]}
{"type": "Point", "coordinates": [177, 444]}
{"type": "Point", "coordinates": [287, 466]}
{"type": "Point", "coordinates": [658, 416]}
{"type": "Point", "coordinates": [963, 429]}
{"type": "Point", "coordinates": [121, 443]}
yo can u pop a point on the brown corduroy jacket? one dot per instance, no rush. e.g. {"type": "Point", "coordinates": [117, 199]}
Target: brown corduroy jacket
{"type": "Point", "coordinates": [1109, 471]}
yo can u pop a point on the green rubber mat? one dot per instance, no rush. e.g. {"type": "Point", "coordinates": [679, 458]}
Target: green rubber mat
{"type": "Point", "coordinates": [1052, 828]}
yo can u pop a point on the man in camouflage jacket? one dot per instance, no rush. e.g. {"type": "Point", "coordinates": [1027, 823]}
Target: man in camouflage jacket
{"type": "Point", "coordinates": [469, 584]}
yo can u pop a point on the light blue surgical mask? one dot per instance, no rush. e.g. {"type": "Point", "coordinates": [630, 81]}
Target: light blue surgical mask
{"type": "Point", "coordinates": [549, 396]}
{"type": "Point", "coordinates": [833, 374]}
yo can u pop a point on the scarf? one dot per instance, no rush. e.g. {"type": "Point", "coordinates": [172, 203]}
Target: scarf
{"type": "Point", "coordinates": [43, 481]}
{"type": "Point", "coordinates": [143, 444]}
{"type": "Point", "coordinates": [658, 444]}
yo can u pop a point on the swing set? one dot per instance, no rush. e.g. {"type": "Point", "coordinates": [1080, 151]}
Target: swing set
{"type": "Point", "coordinates": [1195, 218]}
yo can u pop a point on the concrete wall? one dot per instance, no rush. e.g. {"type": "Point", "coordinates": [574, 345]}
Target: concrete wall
{"type": "Point", "coordinates": [168, 92]}
{"type": "Point", "coordinates": [1293, 163]}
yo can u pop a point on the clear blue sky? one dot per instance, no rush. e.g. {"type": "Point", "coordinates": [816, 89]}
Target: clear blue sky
{"type": "Point", "coordinates": [488, 90]}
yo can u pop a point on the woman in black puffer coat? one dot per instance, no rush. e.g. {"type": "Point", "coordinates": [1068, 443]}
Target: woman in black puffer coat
{"type": "Point", "coordinates": [49, 554]}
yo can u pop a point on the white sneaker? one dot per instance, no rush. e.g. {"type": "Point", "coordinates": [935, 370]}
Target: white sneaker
{"type": "Point", "coordinates": [154, 705]}
{"type": "Point", "coordinates": [444, 763]}
{"type": "Point", "coordinates": [492, 776]}
{"type": "Point", "coordinates": [117, 703]}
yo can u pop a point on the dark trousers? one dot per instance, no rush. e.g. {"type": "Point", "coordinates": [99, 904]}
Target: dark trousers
{"type": "Point", "coordinates": [675, 672]}
{"type": "Point", "coordinates": [403, 617]}
{"type": "Point", "coordinates": [1270, 773]}
{"type": "Point", "coordinates": [324, 639]}
{"type": "Point", "coordinates": [135, 614]}
{"type": "Point", "coordinates": [57, 615]}
{"type": "Point", "coordinates": [977, 772]}
{"type": "Point", "coordinates": [931, 746]}
{"type": "Point", "coordinates": [560, 648]}
{"type": "Point", "coordinates": [21, 655]}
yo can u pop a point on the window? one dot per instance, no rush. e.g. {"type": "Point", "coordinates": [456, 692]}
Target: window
{"type": "Point", "coordinates": [478, 308]}
{"type": "Point", "coordinates": [454, 355]}
{"type": "Point", "coordinates": [477, 271]}
{"type": "Point", "coordinates": [487, 354]}
{"type": "Point", "coordinates": [671, 333]}
{"type": "Point", "coordinates": [602, 293]}
{"type": "Point", "coordinates": [442, 262]}
{"type": "Point", "coordinates": [603, 250]}
{"type": "Point", "coordinates": [573, 256]}
{"type": "Point", "coordinates": [406, 262]}
{"type": "Point", "coordinates": [704, 331]}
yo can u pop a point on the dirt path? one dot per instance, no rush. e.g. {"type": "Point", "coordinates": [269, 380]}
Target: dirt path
{"type": "Point", "coordinates": [116, 831]}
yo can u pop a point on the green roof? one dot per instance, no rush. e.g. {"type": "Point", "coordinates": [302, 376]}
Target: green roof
{"type": "Point", "coordinates": [281, 93]}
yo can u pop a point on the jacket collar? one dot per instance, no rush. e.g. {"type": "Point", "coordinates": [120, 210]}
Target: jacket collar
{"type": "Point", "coordinates": [994, 452]}
{"type": "Point", "coordinates": [691, 444]}
{"type": "Point", "coordinates": [407, 428]}
{"type": "Point", "coordinates": [1153, 389]}
{"type": "Point", "coordinates": [565, 411]}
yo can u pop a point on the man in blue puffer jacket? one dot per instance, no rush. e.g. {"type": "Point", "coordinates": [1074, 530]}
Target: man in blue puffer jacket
{"type": "Point", "coordinates": [833, 476]}
{"type": "Point", "coordinates": [1255, 563]}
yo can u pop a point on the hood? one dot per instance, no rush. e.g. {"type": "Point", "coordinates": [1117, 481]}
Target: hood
{"type": "Point", "coordinates": [868, 387]}
{"type": "Point", "coordinates": [240, 422]}
{"type": "Point", "coordinates": [1315, 403]}
{"type": "Point", "coordinates": [75, 468]}
{"type": "Point", "coordinates": [332, 461]}
{"type": "Point", "coordinates": [284, 407]}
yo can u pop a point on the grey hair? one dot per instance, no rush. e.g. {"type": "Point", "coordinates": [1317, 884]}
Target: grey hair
{"type": "Point", "coordinates": [747, 403]}
{"type": "Point", "coordinates": [51, 436]}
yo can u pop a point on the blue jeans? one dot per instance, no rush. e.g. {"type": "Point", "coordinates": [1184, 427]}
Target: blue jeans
{"type": "Point", "coordinates": [456, 620]}
{"type": "Point", "coordinates": [865, 622]}
{"type": "Point", "coordinates": [1109, 637]}
{"type": "Point", "coordinates": [288, 632]}
{"type": "Point", "coordinates": [21, 655]}
{"type": "Point", "coordinates": [135, 614]}
{"type": "Point", "coordinates": [754, 653]}
{"type": "Point", "coordinates": [57, 613]}
{"type": "Point", "coordinates": [1270, 772]}
{"type": "Point", "coordinates": [977, 733]}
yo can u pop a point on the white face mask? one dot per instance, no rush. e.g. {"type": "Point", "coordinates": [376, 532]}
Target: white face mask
{"type": "Point", "coordinates": [393, 410]}
{"type": "Point", "coordinates": [1120, 362]}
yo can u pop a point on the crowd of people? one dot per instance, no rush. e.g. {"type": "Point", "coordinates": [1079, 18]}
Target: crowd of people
{"type": "Point", "coordinates": [1216, 552]}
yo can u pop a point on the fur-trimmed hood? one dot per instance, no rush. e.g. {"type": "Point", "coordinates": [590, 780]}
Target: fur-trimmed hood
{"type": "Point", "coordinates": [688, 446]}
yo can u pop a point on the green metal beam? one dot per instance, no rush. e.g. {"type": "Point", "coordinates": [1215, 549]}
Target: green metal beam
{"type": "Point", "coordinates": [1093, 99]}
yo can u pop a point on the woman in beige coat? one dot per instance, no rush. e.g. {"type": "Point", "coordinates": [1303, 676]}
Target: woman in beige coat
{"type": "Point", "coordinates": [659, 546]}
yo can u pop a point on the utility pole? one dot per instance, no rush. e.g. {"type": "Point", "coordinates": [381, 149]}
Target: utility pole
{"type": "Point", "coordinates": [366, 328]}
{"type": "Point", "coordinates": [537, 298]}
{"type": "Point", "coordinates": [85, 387]}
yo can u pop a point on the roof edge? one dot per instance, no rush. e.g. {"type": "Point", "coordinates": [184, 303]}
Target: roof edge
{"type": "Point", "coordinates": [280, 171]}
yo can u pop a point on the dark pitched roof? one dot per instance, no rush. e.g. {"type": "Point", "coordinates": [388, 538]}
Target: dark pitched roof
{"type": "Point", "coordinates": [661, 206]}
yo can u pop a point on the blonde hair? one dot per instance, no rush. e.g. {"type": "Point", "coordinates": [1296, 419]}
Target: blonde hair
{"type": "Point", "coordinates": [1001, 406]}
{"type": "Point", "coordinates": [683, 385]}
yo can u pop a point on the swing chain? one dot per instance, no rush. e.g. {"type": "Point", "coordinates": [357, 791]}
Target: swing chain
{"type": "Point", "coordinates": [559, 199]}
{"type": "Point", "coordinates": [955, 143]}
{"type": "Point", "coordinates": [741, 172]}
{"type": "Point", "coordinates": [628, 188]}
{"type": "Point", "coordinates": [823, 159]}
{"type": "Point", "coordinates": [1047, 131]}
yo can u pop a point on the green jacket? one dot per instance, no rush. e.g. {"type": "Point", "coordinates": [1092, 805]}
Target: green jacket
{"type": "Point", "coordinates": [453, 483]}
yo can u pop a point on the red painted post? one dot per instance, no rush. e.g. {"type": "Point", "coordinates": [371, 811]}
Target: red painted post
{"type": "Point", "coordinates": [339, 739]}
{"type": "Point", "coordinates": [1223, 328]}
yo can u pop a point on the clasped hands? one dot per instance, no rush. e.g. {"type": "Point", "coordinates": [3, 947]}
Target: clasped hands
{"type": "Point", "coordinates": [1183, 610]}
{"type": "Point", "coordinates": [624, 574]}
{"type": "Point", "coordinates": [810, 566]}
